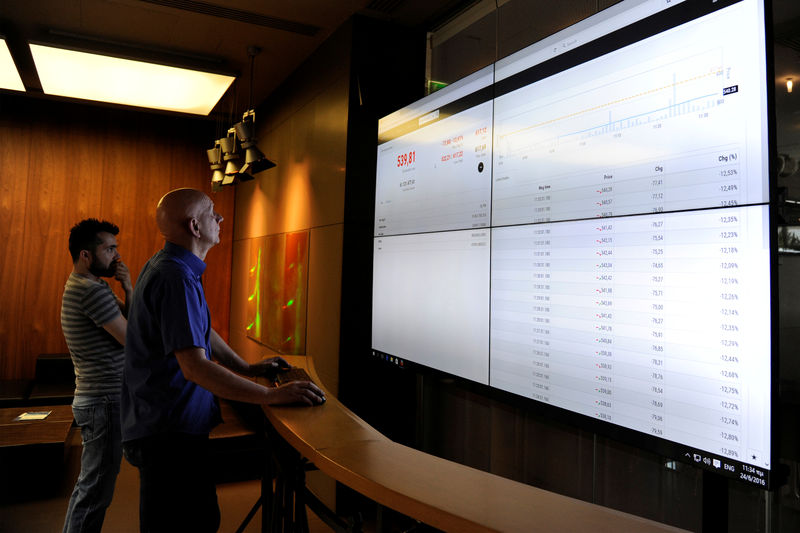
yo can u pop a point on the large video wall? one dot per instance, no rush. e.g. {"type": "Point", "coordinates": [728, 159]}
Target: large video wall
{"type": "Point", "coordinates": [586, 223]}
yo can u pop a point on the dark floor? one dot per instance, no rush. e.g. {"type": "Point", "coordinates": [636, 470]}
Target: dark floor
{"type": "Point", "coordinates": [46, 514]}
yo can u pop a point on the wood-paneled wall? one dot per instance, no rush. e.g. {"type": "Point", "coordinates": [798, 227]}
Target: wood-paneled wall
{"type": "Point", "coordinates": [303, 128]}
{"type": "Point", "coordinates": [61, 162]}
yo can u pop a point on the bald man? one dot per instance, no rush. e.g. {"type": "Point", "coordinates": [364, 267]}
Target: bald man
{"type": "Point", "coordinates": [170, 382]}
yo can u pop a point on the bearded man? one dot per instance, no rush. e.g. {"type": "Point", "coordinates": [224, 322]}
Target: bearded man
{"type": "Point", "coordinates": [93, 321]}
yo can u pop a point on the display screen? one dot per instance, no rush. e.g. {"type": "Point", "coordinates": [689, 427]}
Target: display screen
{"type": "Point", "coordinates": [586, 223]}
{"type": "Point", "coordinates": [433, 304]}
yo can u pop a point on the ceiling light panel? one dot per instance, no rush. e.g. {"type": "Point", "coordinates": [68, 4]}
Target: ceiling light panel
{"type": "Point", "coordinates": [123, 81]}
{"type": "Point", "coordinates": [9, 77]}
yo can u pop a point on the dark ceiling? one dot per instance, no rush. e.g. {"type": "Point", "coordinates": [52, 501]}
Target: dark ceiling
{"type": "Point", "coordinates": [212, 34]}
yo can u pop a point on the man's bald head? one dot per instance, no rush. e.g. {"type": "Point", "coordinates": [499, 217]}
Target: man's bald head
{"type": "Point", "coordinates": [186, 217]}
{"type": "Point", "coordinates": [176, 209]}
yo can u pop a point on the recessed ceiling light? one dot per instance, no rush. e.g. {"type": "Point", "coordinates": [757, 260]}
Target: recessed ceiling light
{"type": "Point", "coordinates": [9, 77]}
{"type": "Point", "coordinates": [124, 81]}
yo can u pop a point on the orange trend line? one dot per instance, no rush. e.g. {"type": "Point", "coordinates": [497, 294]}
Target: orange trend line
{"type": "Point", "coordinates": [614, 102]}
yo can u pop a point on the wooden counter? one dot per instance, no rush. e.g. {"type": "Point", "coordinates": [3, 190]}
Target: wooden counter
{"type": "Point", "coordinates": [52, 430]}
{"type": "Point", "coordinates": [440, 493]}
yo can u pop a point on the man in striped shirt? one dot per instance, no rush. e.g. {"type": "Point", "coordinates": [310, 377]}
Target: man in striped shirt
{"type": "Point", "coordinates": [94, 324]}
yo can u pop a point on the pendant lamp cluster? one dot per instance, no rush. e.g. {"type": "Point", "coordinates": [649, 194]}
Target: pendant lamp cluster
{"type": "Point", "coordinates": [236, 157]}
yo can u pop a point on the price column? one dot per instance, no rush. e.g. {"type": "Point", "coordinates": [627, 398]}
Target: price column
{"type": "Point", "coordinates": [604, 328]}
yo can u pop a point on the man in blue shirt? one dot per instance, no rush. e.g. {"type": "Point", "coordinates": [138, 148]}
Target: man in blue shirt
{"type": "Point", "coordinates": [170, 382]}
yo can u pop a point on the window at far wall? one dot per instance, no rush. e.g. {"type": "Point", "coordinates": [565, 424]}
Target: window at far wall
{"type": "Point", "coordinates": [490, 30]}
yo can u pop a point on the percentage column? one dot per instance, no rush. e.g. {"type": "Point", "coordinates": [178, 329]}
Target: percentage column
{"type": "Point", "coordinates": [729, 368]}
{"type": "Point", "coordinates": [728, 178]}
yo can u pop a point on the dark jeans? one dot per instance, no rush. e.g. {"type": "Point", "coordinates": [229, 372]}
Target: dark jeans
{"type": "Point", "coordinates": [176, 491]}
{"type": "Point", "coordinates": [99, 420]}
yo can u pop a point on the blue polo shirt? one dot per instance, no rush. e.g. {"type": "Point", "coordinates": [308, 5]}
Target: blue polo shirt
{"type": "Point", "coordinates": [168, 312]}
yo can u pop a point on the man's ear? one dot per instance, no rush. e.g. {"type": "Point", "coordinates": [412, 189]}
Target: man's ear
{"type": "Point", "coordinates": [84, 258]}
{"type": "Point", "coordinates": [194, 227]}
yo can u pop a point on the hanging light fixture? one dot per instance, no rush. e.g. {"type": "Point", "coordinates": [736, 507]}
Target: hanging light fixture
{"type": "Point", "coordinates": [231, 155]}
{"type": "Point", "coordinates": [241, 138]}
{"type": "Point", "coordinates": [254, 159]}
{"type": "Point", "coordinates": [215, 160]}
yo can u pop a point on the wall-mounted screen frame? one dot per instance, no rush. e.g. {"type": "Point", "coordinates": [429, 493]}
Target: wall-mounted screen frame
{"type": "Point", "coordinates": [587, 224]}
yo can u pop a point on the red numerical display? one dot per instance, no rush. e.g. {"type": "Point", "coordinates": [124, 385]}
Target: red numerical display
{"type": "Point", "coordinates": [403, 160]}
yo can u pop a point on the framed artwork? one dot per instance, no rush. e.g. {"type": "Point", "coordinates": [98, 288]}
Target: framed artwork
{"type": "Point", "coordinates": [278, 292]}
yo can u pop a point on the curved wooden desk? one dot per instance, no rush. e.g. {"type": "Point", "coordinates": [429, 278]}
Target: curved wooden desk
{"type": "Point", "coordinates": [438, 492]}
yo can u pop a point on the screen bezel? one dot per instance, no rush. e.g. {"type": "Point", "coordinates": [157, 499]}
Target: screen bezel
{"type": "Point", "coordinates": [685, 11]}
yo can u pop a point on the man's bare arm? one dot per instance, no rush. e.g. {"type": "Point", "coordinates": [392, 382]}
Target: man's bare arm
{"type": "Point", "coordinates": [228, 358]}
{"type": "Point", "coordinates": [225, 384]}
{"type": "Point", "coordinates": [117, 328]}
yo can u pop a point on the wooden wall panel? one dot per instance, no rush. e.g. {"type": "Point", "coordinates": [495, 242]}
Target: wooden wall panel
{"type": "Point", "coordinates": [14, 156]}
{"type": "Point", "coordinates": [62, 162]}
{"type": "Point", "coordinates": [303, 128]}
{"type": "Point", "coordinates": [50, 197]}
{"type": "Point", "coordinates": [128, 169]}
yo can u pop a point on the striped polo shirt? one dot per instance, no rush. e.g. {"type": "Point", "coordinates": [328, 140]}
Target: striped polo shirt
{"type": "Point", "coordinates": [96, 355]}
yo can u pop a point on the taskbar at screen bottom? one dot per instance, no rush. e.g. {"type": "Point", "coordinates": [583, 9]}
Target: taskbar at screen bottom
{"type": "Point", "coordinates": [390, 359]}
{"type": "Point", "coordinates": [727, 467]}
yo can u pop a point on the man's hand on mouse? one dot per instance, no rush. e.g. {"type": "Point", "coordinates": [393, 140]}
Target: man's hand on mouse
{"type": "Point", "coordinates": [302, 392]}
